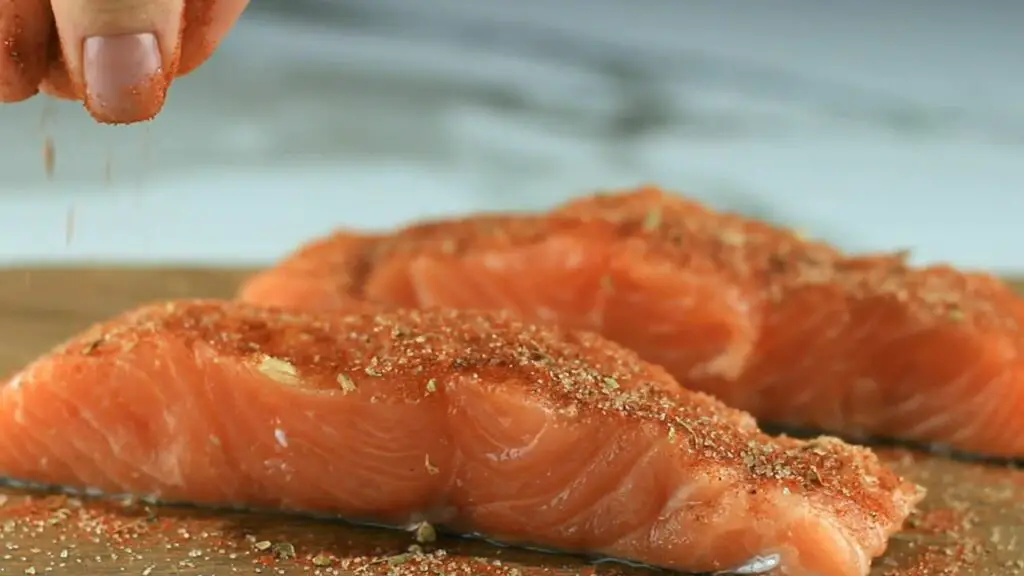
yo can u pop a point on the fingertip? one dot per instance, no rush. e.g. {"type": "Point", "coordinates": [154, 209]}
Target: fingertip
{"type": "Point", "coordinates": [123, 77]}
{"type": "Point", "coordinates": [206, 23]}
{"type": "Point", "coordinates": [121, 55]}
{"type": "Point", "coordinates": [25, 27]}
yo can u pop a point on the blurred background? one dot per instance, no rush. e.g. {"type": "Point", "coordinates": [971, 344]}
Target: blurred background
{"type": "Point", "coordinates": [877, 124]}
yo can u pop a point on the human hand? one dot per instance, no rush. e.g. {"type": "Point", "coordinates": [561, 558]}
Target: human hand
{"type": "Point", "coordinates": [117, 56]}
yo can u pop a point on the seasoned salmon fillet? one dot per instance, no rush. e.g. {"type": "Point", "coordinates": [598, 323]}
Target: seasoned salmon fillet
{"type": "Point", "coordinates": [791, 330]}
{"type": "Point", "coordinates": [475, 422]}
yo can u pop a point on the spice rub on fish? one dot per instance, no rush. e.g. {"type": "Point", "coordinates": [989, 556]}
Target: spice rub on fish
{"type": "Point", "coordinates": [791, 330]}
{"type": "Point", "coordinates": [473, 421]}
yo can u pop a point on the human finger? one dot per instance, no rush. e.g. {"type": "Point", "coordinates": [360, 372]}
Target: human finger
{"type": "Point", "coordinates": [120, 55]}
{"type": "Point", "coordinates": [25, 27]}
{"type": "Point", "coordinates": [206, 23]}
{"type": "Point", "coordinates": [56, 82]}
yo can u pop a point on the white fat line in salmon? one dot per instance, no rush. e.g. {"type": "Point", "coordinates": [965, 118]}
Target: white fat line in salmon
{"type": "Point", "coordinates": [761, 564]}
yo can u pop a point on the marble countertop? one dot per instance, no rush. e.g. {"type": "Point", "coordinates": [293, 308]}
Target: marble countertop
{"type": "Point", "coordinates": [875, 124]}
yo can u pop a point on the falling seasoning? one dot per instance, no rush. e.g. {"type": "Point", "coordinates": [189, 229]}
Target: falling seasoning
{"type": "Point", "coordinates": [610, 384]}
{"type": "Point", "coordinates": [431, 386]}
{"type": "Point", "coordinates": [47, 116]}
{"type": "Point", "coordinates": [49, 157]}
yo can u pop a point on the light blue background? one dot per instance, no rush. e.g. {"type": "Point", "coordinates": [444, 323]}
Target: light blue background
{"type": "Point", "coordinates": [880, 125]}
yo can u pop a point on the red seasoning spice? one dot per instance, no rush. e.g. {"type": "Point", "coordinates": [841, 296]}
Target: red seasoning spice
{"type": "Point", "coordinates": [45, 534]}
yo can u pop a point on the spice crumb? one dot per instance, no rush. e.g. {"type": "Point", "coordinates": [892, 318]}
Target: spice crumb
{"type": "Point", "coordinates": [431, 469]}
{"type": "Point", "coordinates": [425, 533]}
{"type": "Point", "coordinates": [278, 370]}
{"type": "Point", "coordinates": [346, 383]}
{"type": "Point", "coordinates": [283, 551]}
{"type": "Point", "coordinates": [262, 545]}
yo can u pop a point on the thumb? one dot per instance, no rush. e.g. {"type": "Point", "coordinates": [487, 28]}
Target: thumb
{"type": "Point", "coordinates": [121, 55]}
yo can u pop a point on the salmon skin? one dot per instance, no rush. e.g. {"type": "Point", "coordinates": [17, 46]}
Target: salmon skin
{"type": "Point", "coordinates": [791, 330]}
{"type": "Point", "coordinates": [473, 421]}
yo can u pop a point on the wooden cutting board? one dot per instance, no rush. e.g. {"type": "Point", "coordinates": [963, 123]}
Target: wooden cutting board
{"type": "Point", "coordinates": [971, 522]}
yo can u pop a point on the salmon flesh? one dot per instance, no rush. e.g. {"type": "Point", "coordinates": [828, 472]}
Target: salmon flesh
{"type": "Point", "coordinates": [791, 330]}
{"type": "Point", "coordinates": [476, 422]}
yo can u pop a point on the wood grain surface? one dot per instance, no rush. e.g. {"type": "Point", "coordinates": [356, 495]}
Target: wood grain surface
{"type": "Point", "coordinates": [970, 523]}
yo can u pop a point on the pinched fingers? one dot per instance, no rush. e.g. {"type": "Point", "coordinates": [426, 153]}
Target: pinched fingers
{"type": "Point", "coordinates": [25, 33]}
{"type": "Point", "coordinates": [117, 56]}
{"type": "Point", "coordinates": [120, 55]}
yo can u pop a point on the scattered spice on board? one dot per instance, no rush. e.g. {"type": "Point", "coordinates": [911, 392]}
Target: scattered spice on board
{"type": "Point", "coordinates": [969, 525]}
{"type": "Point", "coordinates": [48, 534]}
{"type": "Point", "coordinates": [937, 543]}
{"type": "Point", "coordinates": [283, 550]}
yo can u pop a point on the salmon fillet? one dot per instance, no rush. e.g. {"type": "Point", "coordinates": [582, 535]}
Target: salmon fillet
{"type": "Point", "coordinates": [476, 422]}
{"type": "Point", "coordinates": [793, 331]}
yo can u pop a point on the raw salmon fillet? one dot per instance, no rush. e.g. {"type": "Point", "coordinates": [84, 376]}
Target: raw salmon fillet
{"type": "Point", "coordinates": [792, 331]}
{"type": "Point", "coordinates": [476, 422]}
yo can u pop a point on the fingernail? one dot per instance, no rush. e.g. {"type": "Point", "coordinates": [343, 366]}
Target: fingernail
{"type": "Point", "coordinates": [121, 77]}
